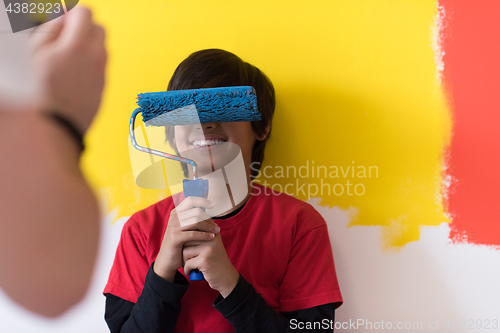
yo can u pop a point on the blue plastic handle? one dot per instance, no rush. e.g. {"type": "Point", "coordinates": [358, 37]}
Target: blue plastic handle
{"type": "Point", "coordinates": [195, 188]}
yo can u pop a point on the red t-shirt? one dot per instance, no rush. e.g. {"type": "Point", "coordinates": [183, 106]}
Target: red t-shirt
{"type": "Point", "coordinates": [278, 243]}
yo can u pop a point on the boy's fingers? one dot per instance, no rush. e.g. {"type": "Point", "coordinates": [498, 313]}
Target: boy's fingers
{"type": "Point", "coordinates": [193, 215]}
{"type": "Point", "coordinates": [194, 223]}
{"type": "Point", "coordinates": [206, 226]}
{"type": "Point", "coordinates": [191, 202]}
{"type": "Point", "coordinates": [187, 223]}
{"type": "Point", "coordinates": [191, 244]}
{"type": "Point", "coordinates": [189, 236]}
{"type": "Point", "coordinates": [193, 212]}
{"type": "Point", "coordinates": [190, 252]}
{"type": "Point", "coordinates": [192, 264]}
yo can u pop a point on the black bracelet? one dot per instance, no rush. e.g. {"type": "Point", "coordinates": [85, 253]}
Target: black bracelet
{"type": "Point", "coordinates": [69, 127]}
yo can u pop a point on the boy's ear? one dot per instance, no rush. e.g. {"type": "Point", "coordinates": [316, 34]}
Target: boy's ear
{"type": "Point", "coordinates": [263, 136]}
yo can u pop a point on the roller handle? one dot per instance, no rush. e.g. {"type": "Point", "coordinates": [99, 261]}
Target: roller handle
{"type": "Point", "coordinates": [195, 188]}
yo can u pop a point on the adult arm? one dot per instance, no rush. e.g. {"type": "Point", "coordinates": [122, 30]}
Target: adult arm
{"type": "Point", "coordinates": [49, 218]}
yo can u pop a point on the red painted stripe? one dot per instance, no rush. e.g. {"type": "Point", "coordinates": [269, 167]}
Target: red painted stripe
{"type": "Point", "coordinates": [472, 81]}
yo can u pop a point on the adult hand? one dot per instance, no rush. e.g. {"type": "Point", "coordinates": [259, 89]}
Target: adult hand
{"type": "Point", "coordinates": [212, 260]}
{"type": "Point", "coordinates": [188, 225]}
{"type": "Point", "coordinates": [69, 60]}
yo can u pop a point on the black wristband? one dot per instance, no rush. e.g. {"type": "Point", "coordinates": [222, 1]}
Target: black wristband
{"type": "Point", "coordinates": [68, 126]}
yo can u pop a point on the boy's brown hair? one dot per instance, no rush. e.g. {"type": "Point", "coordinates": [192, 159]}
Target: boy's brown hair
{"type": "Point", "coordinates": [213, 68]}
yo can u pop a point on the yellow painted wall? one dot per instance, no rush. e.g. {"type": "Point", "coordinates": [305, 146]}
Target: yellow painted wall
{"type": "Point", "coordinates": [355, 80]}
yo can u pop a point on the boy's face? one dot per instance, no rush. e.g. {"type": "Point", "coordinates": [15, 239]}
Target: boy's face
{"type": "Point", "coordinates": [202, 139]}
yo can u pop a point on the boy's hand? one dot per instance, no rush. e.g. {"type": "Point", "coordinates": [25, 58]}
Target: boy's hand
{"type": "Point", "coordinates": [201, 229]}
{"type": "Point", "coordinates": [212, 260]}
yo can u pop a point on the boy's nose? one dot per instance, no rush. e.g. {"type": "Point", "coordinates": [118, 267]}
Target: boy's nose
{"type": "Point", "coordinates": [209, 126]}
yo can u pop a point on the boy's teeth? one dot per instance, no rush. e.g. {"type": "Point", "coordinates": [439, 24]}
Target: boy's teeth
{"type": "Point", "coordinates": [202, 143]}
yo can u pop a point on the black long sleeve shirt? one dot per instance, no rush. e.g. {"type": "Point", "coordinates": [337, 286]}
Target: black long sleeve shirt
{"type": "Point", "coordinates": [159, 305]}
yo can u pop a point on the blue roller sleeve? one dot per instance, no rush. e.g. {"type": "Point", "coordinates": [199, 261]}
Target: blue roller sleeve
{"type": "Point", "coordinates": [222, 104]}
{"type": "Point", "coordinates": [195, 188]}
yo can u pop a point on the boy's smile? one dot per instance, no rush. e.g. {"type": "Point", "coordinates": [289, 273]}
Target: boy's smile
{"type": "Point", "coordinates": [204, 141]}
{"type": "Point", "coordinates": [211, 138]}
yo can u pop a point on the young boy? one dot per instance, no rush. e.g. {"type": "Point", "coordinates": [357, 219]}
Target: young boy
{"type": "Point", "coordinates": [267, 262]}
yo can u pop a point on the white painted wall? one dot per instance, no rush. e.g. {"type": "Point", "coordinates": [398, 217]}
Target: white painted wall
{"type": "Point", "coordinates": [427, 281]}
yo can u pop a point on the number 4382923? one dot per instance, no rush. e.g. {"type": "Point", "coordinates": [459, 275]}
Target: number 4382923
{"type": "Point", "coordinates": [34, 8]}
